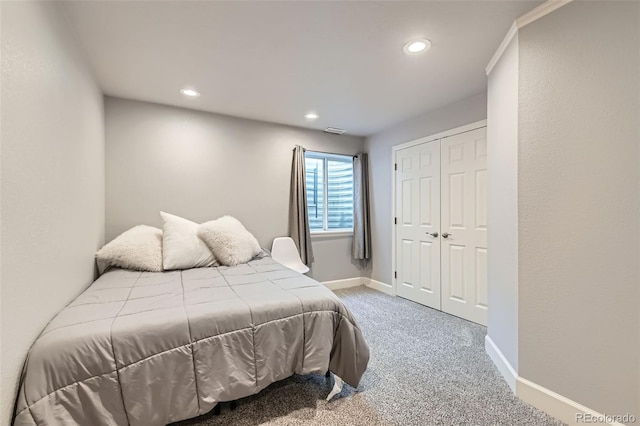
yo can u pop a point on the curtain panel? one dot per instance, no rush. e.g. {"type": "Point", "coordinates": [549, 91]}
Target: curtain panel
{"type": "Point", "coordinates": [361, 248]}
{"type": "Point", "coordinates": [298, 214]}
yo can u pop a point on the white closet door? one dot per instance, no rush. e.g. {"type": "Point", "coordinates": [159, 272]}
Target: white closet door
{"type": "Point", "coordinates": [464, 225]}
{"type": "Point", "coordinates": [418, 223]}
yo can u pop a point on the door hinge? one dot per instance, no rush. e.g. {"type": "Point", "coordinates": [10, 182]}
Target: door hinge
{"type": "Point", "coordinates": [395, 166]}
{"type": "Point", "coordinates": [395, 220]}
{"type": "Point", "coordinates": [395, 274]}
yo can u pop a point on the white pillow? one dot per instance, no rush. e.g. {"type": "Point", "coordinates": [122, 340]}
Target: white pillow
{"type": "Point", "coordinates": [181, 247]}
{"type": "Point", "coordinates": [229, 240]}
{"type": "Point", "coordinates": [139, 248]}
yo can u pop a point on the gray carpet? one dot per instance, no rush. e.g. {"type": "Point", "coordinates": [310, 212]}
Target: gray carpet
{"type": "Point", "coordinates": [426, 368]}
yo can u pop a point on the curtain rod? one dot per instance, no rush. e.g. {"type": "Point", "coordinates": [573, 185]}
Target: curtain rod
{"type": "Point", "coordinates": [330, 153]}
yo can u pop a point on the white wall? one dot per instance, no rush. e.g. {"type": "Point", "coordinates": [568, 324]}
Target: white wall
{"type": "Point", "coordinates": [502, 194]}
{"type": "Point", "coordinates": [379, 148]}
{"type": "Point", "coordinates": [579, 204]}
{"type": "Point", "coordinates": [201, 166]}
{"type": "Point", "coordinates": [52, 177]}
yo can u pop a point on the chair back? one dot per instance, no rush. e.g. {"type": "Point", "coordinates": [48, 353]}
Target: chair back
{"type": "Point", "coordinates": [284, 251]}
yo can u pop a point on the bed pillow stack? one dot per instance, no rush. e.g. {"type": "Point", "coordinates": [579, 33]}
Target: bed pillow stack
{"type": "Point", "coordinates": [181, 244]}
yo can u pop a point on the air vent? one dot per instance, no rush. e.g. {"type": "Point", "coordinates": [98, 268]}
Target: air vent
{"type": "Point", "coordinates": [334, 130]}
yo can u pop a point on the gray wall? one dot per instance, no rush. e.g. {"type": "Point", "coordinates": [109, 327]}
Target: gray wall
{"type": "Point", "coordinates": [502, 194]}
{"type": "Point", "coordinates": [379, 148]}
{"type": "Point", "coordinates": [579, 204]}
{"type": "Point", "coordinates": [201, 166]}
{"type": "Point", "coordinates": [52, 174]}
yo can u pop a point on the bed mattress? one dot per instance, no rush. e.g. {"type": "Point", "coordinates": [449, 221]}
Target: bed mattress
{"type": "Point", "coordinates": [141, 348]}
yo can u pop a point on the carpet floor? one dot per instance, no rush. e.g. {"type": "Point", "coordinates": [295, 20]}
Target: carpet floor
{"type": "Point", "coordinates": [426, 368]}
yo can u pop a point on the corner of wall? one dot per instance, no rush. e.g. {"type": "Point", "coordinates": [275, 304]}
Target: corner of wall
{"type": "Point", "coordinates": [557, 40]}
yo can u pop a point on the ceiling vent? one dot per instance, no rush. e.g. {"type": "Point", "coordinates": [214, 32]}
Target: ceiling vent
{"type": "Point", "coordinates": [334, 130]}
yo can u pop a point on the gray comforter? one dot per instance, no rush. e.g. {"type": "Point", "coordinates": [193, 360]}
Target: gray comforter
{"type": "Point", "coordinates": [152, 348]}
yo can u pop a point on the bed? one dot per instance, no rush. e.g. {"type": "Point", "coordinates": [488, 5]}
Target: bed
{"type": "Point", "coordinates": [145, 348]}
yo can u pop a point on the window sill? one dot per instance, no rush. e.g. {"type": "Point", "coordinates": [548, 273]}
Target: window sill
{"type": "Point", "coordinates": [329, 234]}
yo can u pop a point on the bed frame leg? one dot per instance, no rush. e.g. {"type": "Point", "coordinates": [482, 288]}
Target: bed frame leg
{"type": "Point", "coordinates": [233, 405]}
{"type": "Point", "coordinates": [216, 410]}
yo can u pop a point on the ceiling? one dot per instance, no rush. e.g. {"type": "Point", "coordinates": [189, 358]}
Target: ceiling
{"type": "Point", "coordinates": [276, 61]}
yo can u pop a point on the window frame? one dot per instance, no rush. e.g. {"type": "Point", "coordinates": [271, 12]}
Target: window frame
{"type": "Point", "coordinates": [325, 157]}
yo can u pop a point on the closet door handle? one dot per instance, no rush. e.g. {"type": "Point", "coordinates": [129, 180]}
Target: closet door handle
{"type": "Point", "coordinates": [434, 235]}
{"type": "Point", "coordinates": [445, 235]}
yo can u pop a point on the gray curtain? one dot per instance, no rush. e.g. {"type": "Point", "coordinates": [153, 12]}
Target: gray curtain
{"type": "Point", "coordinates": [298, 214]}
{"type": "Point", "coordinates": [361, 248]}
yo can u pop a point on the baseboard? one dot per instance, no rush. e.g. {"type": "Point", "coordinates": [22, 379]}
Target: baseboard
{"type": "Point", "coordinates": [357, 281]}
{"type": "Point", "coordinates": [345, 283]}
{"type": "Point", "coordinates": [378, 285]}
{"type": "Point", "coordinates": [504, 366]}
{"type": "Point", "coordinates": [554, 404]}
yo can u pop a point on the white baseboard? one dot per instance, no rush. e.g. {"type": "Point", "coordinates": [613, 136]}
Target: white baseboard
{"type": "Point", "coordinates": [357, 281]}
{"type": "Point", "coordinates": [501, 362]}
{"type": "Point", "coordinates": [345, 283]}
{"type": "Point", "coordinates": [378, 285]}
{"type": "Point", "coordinates": [556, 405]}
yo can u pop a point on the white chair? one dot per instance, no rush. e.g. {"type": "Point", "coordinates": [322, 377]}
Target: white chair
{"type": "Point", "coordinates": [284, 251]}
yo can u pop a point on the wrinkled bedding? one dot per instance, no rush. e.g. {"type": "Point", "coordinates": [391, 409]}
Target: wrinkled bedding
{"type": "Point", "coordinates": [144, 348]}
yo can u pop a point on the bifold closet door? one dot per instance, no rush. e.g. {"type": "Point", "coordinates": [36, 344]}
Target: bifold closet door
{"type": "Point", "coordinates": [418, 223]}
{"type": "Point", "coordinates": [464, 225]}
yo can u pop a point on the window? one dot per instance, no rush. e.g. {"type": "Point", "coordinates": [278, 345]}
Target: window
{"type": "Point", "coordinates": [329, 180]}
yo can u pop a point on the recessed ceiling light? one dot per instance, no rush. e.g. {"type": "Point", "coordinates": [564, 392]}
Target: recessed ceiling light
{"type": "Point", "coordinates": [311, 116]}
{"type": "Point", "coordinates": [416, 46]}
{"type": "Point", "coordinates": [190, 92]}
